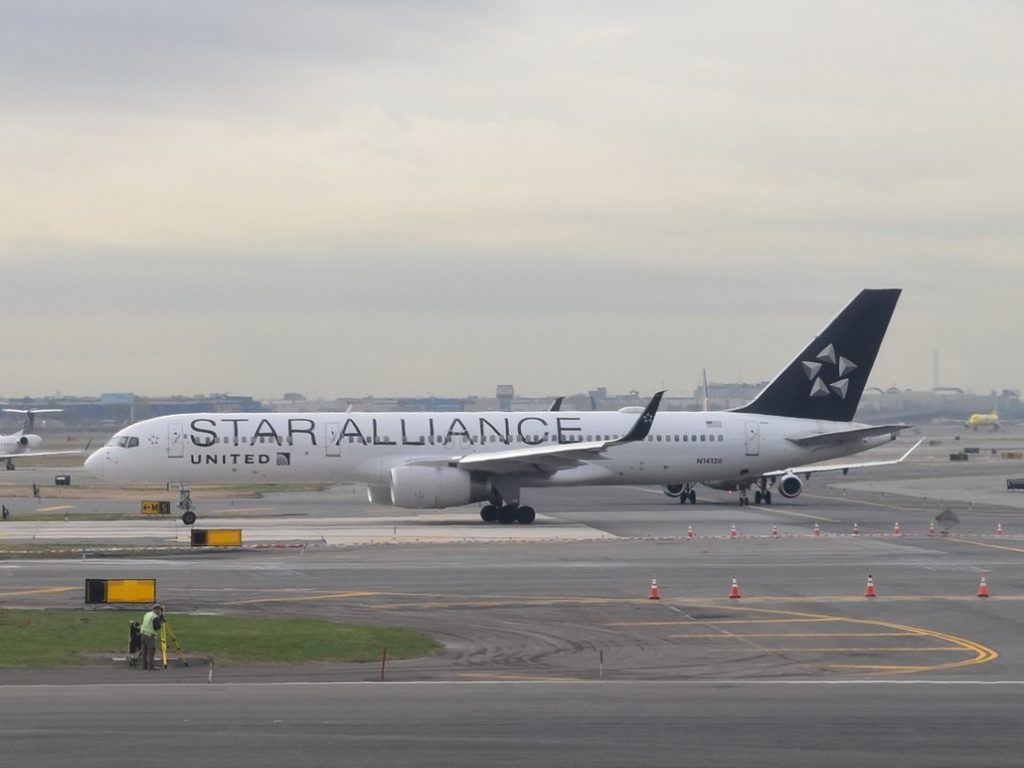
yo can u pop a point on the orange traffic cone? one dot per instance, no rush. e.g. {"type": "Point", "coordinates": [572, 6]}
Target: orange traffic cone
{"type": "Point", "coordinates": [732, 533]}
{"type": "Point", "coordinates": [931, 528]}
{"type": "Point", "coordinates": [896, 529]}
{"type": "Point", "coordinates": [655, 594]}
{"type": "Point", "coordinates": [983, 588]}
{"type": "Point", "coordinates": [870, 591]}
{"type": "Point", "coordinates": [856, 530]}
{"type": "Point", "coordinates": [817, 531]}
{"type": "Point", "coordinates": [735, 591]}
{"type": "Point", "coordinates": [999, 529]}
{"type": "Point", "coordinates": [775, 532]}
{"type": "Point", "coordinates": [690, 535]}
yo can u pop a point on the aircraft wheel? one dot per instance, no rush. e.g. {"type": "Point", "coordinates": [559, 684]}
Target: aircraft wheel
{"type": "Point", "coordinates": [767, 497]}
{"type": "Point", "coordinates": [506, 515]}
{"type": "Point", "coordinates": [684, 497]}
{"type": "Point", "coordinates": [189, 518]}
{"type": "Point", "coordinates": [489, 513]}
{"type": "Point", "coordinates": [526, 515]}
{"type": "Point", "coordinates": [693, 497]}
{"type": "Point", "coordinates": [757, 497]}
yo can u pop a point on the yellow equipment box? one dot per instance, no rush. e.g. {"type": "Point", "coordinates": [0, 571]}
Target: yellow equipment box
{"type": "Point", "coordinates": [221, 537]}
{"type": "Point", "coordinates": [120, 590]}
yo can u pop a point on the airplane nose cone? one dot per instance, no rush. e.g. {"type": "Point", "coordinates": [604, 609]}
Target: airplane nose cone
{"type": "Point", "coordinates": [96, 464]}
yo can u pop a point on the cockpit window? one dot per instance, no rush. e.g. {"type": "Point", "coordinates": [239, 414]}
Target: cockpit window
{"type": "Point", "coordinates": [123, 441]}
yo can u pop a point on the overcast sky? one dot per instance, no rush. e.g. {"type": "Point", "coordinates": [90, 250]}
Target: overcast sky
{"type": "Point", "coordinates": [349, 198]}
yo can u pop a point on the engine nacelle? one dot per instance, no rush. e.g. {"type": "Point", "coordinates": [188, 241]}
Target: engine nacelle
{"type": "Point", "coordinates": [380, 494]}
{"type": "Point", "coordinates": [790, 485]}
{"type": "Point", "coordinates": [674, 490]}
{"type": "Point", "coordinates": [416, 487]}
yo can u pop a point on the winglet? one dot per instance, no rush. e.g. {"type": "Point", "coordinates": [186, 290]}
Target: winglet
{"type": "Point", "coordinates": [642, 426]}
{"type": "Point", "coordinates": [910, 450]}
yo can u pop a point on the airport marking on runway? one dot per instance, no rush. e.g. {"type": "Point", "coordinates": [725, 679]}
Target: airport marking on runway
{"type": "Point", "coordinates": [950, 643]}
{"type": "Point", "coordinates": [865, 502]}
{"type": "Point", "coordinates": [56, 508]}
{"type": "Point", "coordinates": [723, 628]}
{"type": "Point", "coordinates": [983, 544]}
{"type": "Point", "coordinates": [38, 591]}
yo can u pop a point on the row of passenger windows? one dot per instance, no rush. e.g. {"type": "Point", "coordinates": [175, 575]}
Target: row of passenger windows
{"type": "Point", "coordinates": [534, 439]}
{"type": "Point", "coordinates": [132, 442]}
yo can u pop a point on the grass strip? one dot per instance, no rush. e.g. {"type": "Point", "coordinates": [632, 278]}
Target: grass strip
{"type": "Point", "coordinates": [74, 638]}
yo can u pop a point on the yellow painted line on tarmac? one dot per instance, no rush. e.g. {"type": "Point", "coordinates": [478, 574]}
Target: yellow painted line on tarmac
{"type": "Point", "coordinates": [853, 649]}
{"type": "Point", "coordinates": [866, 503]}
{"type": "Point", "coordinates": [981, 653]}
{"type": "Point", "coordinates": [821, 518]}
{"type": "Point", "coordinates": [56, 508]}
{"type": "Point", "coordinates": [38, 591]}
{"type": "Point", "coordinates": [306, 598]}
{"type": "Point", "coordinates": [971, 596]}
{"type": "Point", "coordinates": [719, 635]}
{"type": "Point", "coordinates": [984, 544]}
{"type": "Point", "coordinates": [523, 678]}
{"type": "Point", "coordinates": [717, 621]}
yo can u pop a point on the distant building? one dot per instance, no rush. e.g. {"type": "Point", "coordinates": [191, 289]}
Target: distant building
{"type": "Point", "coordinates": [504, 394]}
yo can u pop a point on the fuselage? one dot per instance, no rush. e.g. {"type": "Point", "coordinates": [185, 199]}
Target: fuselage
{"type": "Point", "coordinates": [983, 420]}
{"type": "Point", "coordinates": [18, 443]}
{"type": "Point", "coordinates": [212, 448]}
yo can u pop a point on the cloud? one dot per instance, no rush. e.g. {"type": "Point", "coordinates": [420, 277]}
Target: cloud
{"type": "Point", "coordinates": [653, 189]}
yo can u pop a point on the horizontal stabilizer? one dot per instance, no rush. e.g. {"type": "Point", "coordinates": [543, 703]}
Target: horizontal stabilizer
{"type": "Point", "coordinates": [820, 439]}
{"type": "Point", "coordinates": [814, 469]}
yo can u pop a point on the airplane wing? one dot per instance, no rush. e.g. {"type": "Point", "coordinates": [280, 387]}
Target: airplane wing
{"type": "Point", "coordinates": [812, 469]}
{"type": "Point", "coordinates": [549, 459]}
{"type": "Point", "coordinates": [34, 454]}
{"type": "Point", "coordinates": [819, 439]}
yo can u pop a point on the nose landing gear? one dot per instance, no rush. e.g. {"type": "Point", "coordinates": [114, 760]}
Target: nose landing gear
{"type": "Point", "coordinates": [188, 509]}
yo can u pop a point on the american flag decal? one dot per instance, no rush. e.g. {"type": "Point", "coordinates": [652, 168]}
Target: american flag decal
{"type": "Point", "coordinates": [284, 459]}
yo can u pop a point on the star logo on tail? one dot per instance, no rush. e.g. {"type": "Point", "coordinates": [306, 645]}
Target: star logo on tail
{"type": "Point", "coordinates": [820, 370]}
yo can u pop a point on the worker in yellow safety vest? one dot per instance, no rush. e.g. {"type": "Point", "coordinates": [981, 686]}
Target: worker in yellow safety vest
{"type": "Point", "coordinates": [150, 629]}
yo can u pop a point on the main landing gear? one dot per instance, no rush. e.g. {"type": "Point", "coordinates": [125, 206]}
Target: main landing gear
{"type": "Point", "coordinates": [188, 509]}
{"type": "Point", "coordinates": [507, 514]}
{"type": "Point", "coordinates": [761, 496]}
{"type": "Point", "coordinates": [688, 495]}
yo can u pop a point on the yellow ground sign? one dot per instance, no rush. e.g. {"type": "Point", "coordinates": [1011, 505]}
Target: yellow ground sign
{"type": "Point", "coordinates": [156, 507]}
{"type": "Point", "coordinates": [225, 537]}
{"type": "Point", "coordinates": [131, 590]}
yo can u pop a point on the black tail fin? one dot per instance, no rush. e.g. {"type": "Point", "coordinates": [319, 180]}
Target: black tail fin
{"type": "Point", "coordinates": [827, 379]}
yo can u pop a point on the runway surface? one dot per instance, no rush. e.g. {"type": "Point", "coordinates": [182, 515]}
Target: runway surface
{"type": "Point", "coordinates": [553, 653]}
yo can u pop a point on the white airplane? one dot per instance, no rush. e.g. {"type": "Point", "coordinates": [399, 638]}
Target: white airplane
{"type": "Point", "coordinates": [438, 460]}
{"type": "Point", "coordinates": [22, 444]}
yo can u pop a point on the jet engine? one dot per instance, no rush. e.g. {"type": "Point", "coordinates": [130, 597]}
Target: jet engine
{"type": "Point", "coordinates": [379, 494]}
{"type": "Point", "coordinates": [673, 491]}
{"type": "Point", "coordinates": [419, 487]}
{"type": "Point", "coordinates": [790, 485]}
{"type": "Point", "coordinates": [30, 441]}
